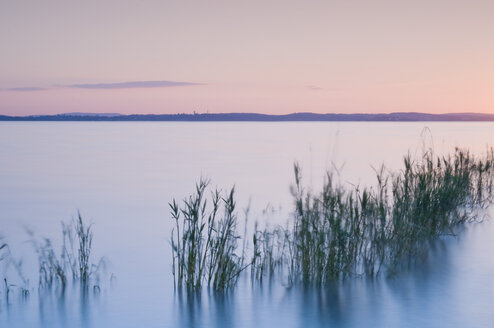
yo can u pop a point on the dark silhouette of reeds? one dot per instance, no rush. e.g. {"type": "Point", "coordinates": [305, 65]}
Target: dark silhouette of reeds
{"type": "Point", "coordinates": [85, 238]}
{"type": "Point", "coordinates": [343, 232]}
{"type": "Point", "coordinates": [338, 232]}
{"type": "Point", "coordinates": [204, 240]}
{"type": "Point", "coordinates": [9, 260]}
{"type": "Point", "coordinates": [71, 263]}
{"type": "Point", "coordinates": [3, 246]}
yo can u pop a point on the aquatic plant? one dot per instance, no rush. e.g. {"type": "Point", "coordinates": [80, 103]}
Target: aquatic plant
{"type": "Point", "coordinates": [3, 246]}
{"type": "Point", "coordinates": [204, 240]}
{"type": "Point", "coordinates": [85, 238]}
{"type": "Point", "coordinates": [340, 231]}
{"type": "Point", "coordinates": [269, 250]}
{"type": "Point", "coordinates": [70, 262]}
{"type": "Point", "coordinates": [436, 196]}
{"type": "Point", "coordinates": [9, 261]}
{"type": "Point", "coordinates": [51, 268]}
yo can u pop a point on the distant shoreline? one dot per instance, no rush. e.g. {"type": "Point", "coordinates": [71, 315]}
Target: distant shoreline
{"type": "Point", "coordinates": [255, 117]}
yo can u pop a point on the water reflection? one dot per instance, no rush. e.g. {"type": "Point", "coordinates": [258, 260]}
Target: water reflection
{"type": "Point", "coordinates": [422, 294]}
{"type": "Point", "coordinates": [207, 307]}
{"type": "Point", "coordinates": [355, 302]}
{"type": "Point", "coordinates": [127, 199]}
{"type": "Point", "coordinates": [69, 307]}
{"type": "Point", "coordinates": [189, 307]}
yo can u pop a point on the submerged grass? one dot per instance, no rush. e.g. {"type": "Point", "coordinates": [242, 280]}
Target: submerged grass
{"type": "Point", "coordinates": [338, 232]}
{"type": "Point", "coordinates": [3, 246]}
{"type": "Point", "coordinates": [204, 240]}
{"type": "Point", "coordinates": [342, 232]}
{"type": "Point", "coordinates": [55, 269]}
{"type": "Point", "coordinates": [71, 263]}
{"type": "Point", "coordinates": [9, 261]}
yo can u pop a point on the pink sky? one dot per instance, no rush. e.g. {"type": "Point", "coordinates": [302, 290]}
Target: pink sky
{"type": "Point", "coordinates": [255, 56]}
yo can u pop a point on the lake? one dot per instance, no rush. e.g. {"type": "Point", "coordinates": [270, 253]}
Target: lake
{"type": "Point", "coordinates": [121, 176]}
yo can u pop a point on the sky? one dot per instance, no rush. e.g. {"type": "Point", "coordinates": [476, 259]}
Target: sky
{"type": "Point", "coordinates": [270, 56]}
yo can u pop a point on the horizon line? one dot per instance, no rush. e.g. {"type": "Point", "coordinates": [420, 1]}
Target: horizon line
{"type": "Point", "coordinates": [251, 116]}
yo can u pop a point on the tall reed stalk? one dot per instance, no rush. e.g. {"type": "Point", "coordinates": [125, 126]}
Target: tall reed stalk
{"type": "Point", "coordinates": [204, 240]}
{"type": "Point", "coordinates": [71, 263]}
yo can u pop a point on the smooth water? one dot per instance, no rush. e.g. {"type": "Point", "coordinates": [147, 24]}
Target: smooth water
{"type": "Point", "coordinates": [121, 177]}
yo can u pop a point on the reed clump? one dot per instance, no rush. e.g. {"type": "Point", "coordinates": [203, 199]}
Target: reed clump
{"type": "Point", "coordinates": [205, 240]}
{"type": "Point", "coordinates": [340, 231]}
{"type": "Point", "coordinates": [8, 261]}
{"type": "Point", "coordinates": [73, 262]}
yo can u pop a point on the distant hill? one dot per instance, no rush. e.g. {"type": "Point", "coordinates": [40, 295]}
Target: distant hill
{"type": "Point", "coordinates": [255, 117]}
{"type": "Point", "coordinates": [92, 114]}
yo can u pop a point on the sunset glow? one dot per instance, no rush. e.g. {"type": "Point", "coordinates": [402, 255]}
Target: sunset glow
{"type": "Point", "coordinates": [271, 57]}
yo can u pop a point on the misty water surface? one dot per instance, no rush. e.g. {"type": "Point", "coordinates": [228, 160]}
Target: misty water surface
{"type": "Point", "coordinates": [121, 177]}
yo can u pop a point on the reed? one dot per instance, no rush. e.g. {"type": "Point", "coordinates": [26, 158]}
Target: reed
{"type": "Point", "coordinates": [71, 263]}
{"type": "Point", "coordinates": [340, 231]}
{"type": "Point", "coordinates": [3, 250]}
{"type": "Point", "coordinates": [268, 252]}
{"type": "Point", "coordinates": [85, 238]}
{"type": "Point", "coordinates": [204, 240]}
{"type": "Point", "coordinates": [51, 267]}
{"type": "Point", "coordinates": [9, 261]}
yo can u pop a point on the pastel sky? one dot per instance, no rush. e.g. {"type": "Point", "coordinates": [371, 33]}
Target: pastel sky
{"type": "Point", "coordinates": [281, 56]}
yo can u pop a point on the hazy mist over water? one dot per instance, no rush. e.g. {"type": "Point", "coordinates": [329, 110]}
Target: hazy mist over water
{"type": "Point", "coordinates": [121, 176]}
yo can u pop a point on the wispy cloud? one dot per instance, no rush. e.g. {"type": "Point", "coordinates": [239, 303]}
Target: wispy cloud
{"type": "Point", "coordinates": [313, 87]}
{"type": "Point", "coordinates": [26, 89]}
{"type": "Point", "coordinates": [132, 84]}
{"type": "Point", "coordinates": [105, 86]}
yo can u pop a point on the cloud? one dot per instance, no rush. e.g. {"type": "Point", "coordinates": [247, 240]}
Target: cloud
{"type": "Point", "coordinates": [119, 85]}
{"type": "Point", "coordinates": [313, 87]}
{"type": "Point", "coordinates": [26, 89]}
{"type": "Point", "coordinates": [133, 84]}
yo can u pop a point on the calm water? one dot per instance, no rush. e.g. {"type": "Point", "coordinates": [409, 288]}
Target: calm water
{"type": "Point", "coordinates": [121, 177]}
